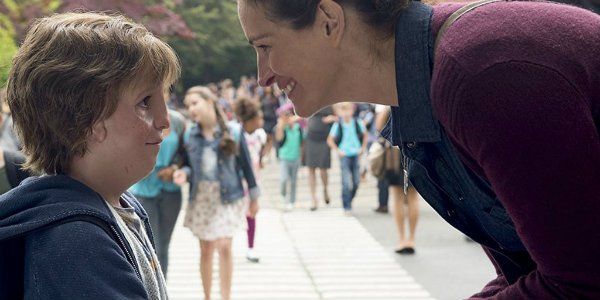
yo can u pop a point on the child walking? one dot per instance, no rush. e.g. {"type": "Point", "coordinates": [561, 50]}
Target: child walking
{"type": "Point", "coordinates": [288, 134]}
{"type": "Point", "coordinates": [217, 163]}
{"type": "Point", "coordinates": [249, 114]}
{"type": "Point", "coordinates": [348, 138]}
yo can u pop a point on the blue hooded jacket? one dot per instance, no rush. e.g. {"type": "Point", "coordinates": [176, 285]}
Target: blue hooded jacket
{"type": "Point", "coordinates": [59, 240]}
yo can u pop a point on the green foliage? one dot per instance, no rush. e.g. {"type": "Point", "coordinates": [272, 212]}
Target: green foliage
{"type": "Point", "coordinates": [7, 47]}
{"type": "Point", "coordinates": [219, 49]}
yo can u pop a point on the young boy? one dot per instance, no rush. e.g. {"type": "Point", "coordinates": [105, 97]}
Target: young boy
{"type": "Point", "coordinates": [288, 134]}
{"type": "Point", "coordinates": [86, 94]}
{"type": "Point", "coordinates": [348, 138]}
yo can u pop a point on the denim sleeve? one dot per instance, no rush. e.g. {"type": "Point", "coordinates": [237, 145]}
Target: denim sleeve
{"type": "Point", "coordinates": [78, 260]}
{"type": "Point", "coordinates": [244, 162]}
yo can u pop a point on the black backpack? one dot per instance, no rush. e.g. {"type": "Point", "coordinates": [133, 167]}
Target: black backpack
{"type": "Point", "coordinates": [338, 138]}
{"type": "Point", "coordinates": [12, 163]}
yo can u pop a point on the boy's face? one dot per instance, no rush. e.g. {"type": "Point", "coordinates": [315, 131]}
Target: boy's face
{"type": "Point", "coordinates": [345, 110]}
{"type": "Point", "coordinates": [130, 138]}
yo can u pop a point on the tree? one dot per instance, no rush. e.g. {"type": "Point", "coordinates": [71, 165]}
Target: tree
{"type": "Point", "coordinates": [15, 17]}
{"type": "Point", "coordinates": [218, 50]}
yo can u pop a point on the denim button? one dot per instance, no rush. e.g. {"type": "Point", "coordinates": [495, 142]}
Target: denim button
{"type": "Point", "coordinates": [411, 145]}
{"type": "Point", "coordinates": [450, 212]}
{"type": "Point", "coordinates": [461, 198]}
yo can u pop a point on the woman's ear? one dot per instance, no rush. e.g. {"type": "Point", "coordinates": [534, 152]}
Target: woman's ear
{"type": "Point", "coordinates": [330, 17]}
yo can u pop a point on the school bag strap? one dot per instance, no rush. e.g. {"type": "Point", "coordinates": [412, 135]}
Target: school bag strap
{"type": "Point", "coordinates": [340, 134]}
{"type": "Point", "coordinates": [456, 15]}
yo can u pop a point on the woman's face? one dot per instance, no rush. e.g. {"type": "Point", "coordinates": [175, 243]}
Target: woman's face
{"type": "Point", "coordinates": [301, 62]}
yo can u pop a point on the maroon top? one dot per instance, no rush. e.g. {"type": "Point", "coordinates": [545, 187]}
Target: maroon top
{"type": "Point", "coordinates": [517, 88]}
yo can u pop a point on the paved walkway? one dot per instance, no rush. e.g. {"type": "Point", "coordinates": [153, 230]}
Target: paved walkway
{"type": "Point", "coordinates": [304, 255]}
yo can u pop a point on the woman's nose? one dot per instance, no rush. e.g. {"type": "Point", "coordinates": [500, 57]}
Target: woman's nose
{"type": "Point", "coordinates": [265, 74]}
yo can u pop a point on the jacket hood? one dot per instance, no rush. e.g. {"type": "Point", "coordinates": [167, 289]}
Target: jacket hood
{"type": "Point", "coordinates": [39, 201]}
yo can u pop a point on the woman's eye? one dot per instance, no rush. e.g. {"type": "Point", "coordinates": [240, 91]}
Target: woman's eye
{"type": "Point", "coordinates": [145, 103]}
{"type": "Point", "coordinates": [263, 48]}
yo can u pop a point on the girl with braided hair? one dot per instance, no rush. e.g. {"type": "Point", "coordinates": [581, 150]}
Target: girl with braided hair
{"type": "Point", "coordinates": [216, 153]}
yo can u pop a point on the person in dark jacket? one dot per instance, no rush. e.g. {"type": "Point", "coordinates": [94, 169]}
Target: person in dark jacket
{"type": "Point", "coordinates": [86, 95]}
{"type": "Point", "coordinates": [499, 118]}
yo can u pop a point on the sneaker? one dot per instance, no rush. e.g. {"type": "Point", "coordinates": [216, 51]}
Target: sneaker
{"type": "Point", "coordinates": [348, 213]}
{"type": "Point", "coordinates": [251, 256]}
{"type": "Point", "coordinates": [289, 207]}
{"type": "Point", "coordinates": [381, 210]}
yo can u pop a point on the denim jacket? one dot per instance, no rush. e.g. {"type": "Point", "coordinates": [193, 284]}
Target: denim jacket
{"type": "Point", "coordinates": [461, 197]}
{"type": "Point", "coordinates": [230, 168]}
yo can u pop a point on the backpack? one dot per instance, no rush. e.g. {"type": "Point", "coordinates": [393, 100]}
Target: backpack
{"type": "Point", "coordinates": [12, 165]}
{"type": "Point", "coordinates": [338, 138]}
{"type": "Point", "coordinates": [384, 159]}
{"type": "Point", "coordinates": [282, 142]}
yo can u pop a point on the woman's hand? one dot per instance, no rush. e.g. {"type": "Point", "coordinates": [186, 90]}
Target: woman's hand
{"type": "Point", "coordinates": [329, 119]}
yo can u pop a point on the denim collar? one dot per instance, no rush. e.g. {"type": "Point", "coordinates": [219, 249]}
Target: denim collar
{"type": "Point", "coordinates": [413, 120]}
{"type": "Point", "coordinates": [196, 130]}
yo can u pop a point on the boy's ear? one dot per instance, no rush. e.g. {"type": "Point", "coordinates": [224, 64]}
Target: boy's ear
{"type": "Point", "coordinates": [330, 16]}
{"type": "Point", "coordinates": [99, 132]}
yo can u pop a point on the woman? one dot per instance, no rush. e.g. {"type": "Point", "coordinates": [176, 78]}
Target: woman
{"type": "Point", "coordinates": [500, 129]}
{"type": "Point", "coordinates": [317, 154]}
{"type": "Point", "coordinates": [269, 102]}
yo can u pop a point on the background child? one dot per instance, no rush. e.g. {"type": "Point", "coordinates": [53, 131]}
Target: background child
{"type": "Point", "coordinates": [216, 210]}
{"type": "Point", "coordinates": [86, 95]}
{"type": "Point", "coordinates": [289, 136]}
{"type": "Point", "coordinates": [249, 114]}
{"type": "Point", "coordinates": [348, 138]}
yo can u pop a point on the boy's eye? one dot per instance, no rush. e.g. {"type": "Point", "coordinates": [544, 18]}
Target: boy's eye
{"type": "Point", "coordinates": [145, 103]}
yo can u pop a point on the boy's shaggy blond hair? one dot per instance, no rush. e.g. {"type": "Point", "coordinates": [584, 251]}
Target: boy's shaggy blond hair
{"type": "Point", "coordinates": [69, 74]}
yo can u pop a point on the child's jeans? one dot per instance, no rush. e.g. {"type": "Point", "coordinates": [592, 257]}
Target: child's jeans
{"type": "Point", "coordinates": [289, 175]}
{"type": "Point", "coordinates": [350, 179]}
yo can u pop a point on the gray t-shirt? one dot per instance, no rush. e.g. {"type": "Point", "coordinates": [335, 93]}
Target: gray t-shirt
{"type": "Point", "coordinates": [135, 234]}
